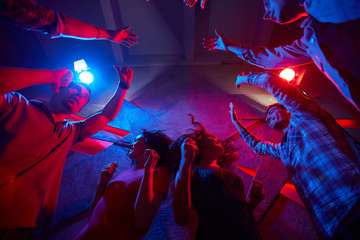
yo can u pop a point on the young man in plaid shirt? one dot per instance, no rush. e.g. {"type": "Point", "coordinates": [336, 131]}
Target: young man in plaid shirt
{"type": "Point", "coordinates": [315, 151]}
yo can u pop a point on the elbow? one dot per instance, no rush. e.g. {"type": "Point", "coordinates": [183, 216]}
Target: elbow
{"type": "Point", "coordinates": [111, 118]}
{"type": "Point", "coordinates": [181, 221]}
{"type": "Point", "coordinates": [142, 223]}
{"type": "Point", "coordinates": [108, 117]}
{"type": "Point", "coordinates": [141, 227]}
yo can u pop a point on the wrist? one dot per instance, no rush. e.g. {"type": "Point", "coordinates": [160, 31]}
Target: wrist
{"type": "Point", "coordinates": [123, 85]}
{"type": "Point", "coordinates": [102, 183]}
{"type": "Point", "coordinates": [102, 33]}
{"type": "Point", "coordinates": [186, 164]}
{"type": "Point", "coordinates": [234, 47]}
{"type": "Point", "coordinates": [148, 170]}
{"type": "Point", "coordinates": [53, 77]}
{"type": "Point", "coordinates": [234, 121]}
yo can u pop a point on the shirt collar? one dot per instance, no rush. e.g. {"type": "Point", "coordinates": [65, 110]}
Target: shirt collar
{"type": "Point", "coordinates": [42, 107]}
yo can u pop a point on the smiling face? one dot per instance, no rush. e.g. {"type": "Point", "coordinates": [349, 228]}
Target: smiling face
{"type": "Point", "coordinates": [283, 11]}
{"type": "Point", "coordinates": [278, 118]}
{"type": "Point", "coordinates": [70, 99]}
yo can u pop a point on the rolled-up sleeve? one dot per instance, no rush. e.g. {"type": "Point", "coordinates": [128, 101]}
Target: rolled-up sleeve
{"type": "Point", "coordinates": [279, 57]}
{"type": "Point", "coordinates": [261, 147]}
{"type": "Point", "coordinates": [30, 15]}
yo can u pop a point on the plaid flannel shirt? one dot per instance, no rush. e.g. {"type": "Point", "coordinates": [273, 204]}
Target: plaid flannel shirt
{"type": "Point", "coordinates": [31, 15]}
{"type": "Point", "coordinates": [316, 154]}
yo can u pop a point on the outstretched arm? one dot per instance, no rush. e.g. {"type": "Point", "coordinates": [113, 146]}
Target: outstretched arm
{"type": "Point", "coordinates": [148, 200]}
{"type": "Point", "coordinates": [258, 146]}
{"type": "Point", "coordinates": [220, 42]}
{"type": "Point", "coordinates": [96, 122]}
{"type": "Point", "coordinates": [106, 175]}
{"type": "Point", "coordinates": [285, 93]}
{"type": "Point", "coordinates": [13, 79]}
{"type": "Point", "coordinates": [191, 3]}
{"type": "Point", "coordinates": [182, 194]}
{"type": "Point", "coordinates": [282, 56]}
{"type": "Point", "coordinates": [34, 16]}
{"type": "Point", "coordinates": [75, 28]}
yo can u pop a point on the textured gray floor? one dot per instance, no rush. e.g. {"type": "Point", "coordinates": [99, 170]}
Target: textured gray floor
{"type": "Point", "coordinates": [163, 104]}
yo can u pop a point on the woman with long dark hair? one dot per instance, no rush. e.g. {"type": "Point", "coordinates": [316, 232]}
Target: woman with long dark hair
{"type": "Point", "coordinates": [216, 193]}
{"type": "Point", "coordinates": [126, 207]}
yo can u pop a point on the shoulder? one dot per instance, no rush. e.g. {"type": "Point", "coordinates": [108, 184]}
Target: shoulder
{"type": "Point", "coordinates": [10, 100]}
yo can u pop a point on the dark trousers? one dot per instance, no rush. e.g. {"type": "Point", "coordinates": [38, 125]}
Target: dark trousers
{"type": "Point", "coordinates": [350, 230]}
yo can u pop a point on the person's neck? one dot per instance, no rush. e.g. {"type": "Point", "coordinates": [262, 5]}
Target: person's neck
{"type": "Point", "coordinates": [59, 116]}
{"type": "Point", "coordinates": [285, 129]}
{"type": "Point", "coordinates": [140, 163]}
{"type": "Point", "coordinates": [212, 164]}
{"type": "Point", "coordinates": [287, 125]}
{"type": "Point", "coordinates": [208, 161]}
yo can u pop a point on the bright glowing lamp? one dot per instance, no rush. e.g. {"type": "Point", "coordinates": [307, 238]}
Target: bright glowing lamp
{"type": "Point", "coordinates": [288, 74]}
{"type": "Point", "coordinates": [80, 65]}
{"type": "Point", "coordinates": [86, 77]}
{"type": "Point", "coordinates": [82, 68]}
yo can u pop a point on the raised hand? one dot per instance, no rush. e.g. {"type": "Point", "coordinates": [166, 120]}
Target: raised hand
{"type": "Point", "coordinates": [257, 193]}
{"type": "Point", "coordinates": [218, 42]}
{"type": "Point", "coordinates": [152, 159]}
{"type": "Point", "coordinates": [191, 3]}
{"type": "Point", "coordinates": [188, 151]}
{"type": "Point", "coordinates": [125, 74]}
{"type": "Point", "coordinates": [107, 172]}
{"type": "Point", "coordinates": [122, 36]}
{"type": "Point", "coordinates": [233, 114]}
{"type": "Point", "coordinates": [62, 78]}
{"type": "Point", "coordinates": [202, 4]}
{"type": "Point", "coordinates": [241, 79]}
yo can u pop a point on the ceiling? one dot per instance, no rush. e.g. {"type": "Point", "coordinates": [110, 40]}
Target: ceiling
{"type": "Point", "coordinates": [170, 33]}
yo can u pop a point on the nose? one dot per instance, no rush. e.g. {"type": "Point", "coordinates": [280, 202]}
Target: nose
{"type": "Point", "coordinates": [267, 15]}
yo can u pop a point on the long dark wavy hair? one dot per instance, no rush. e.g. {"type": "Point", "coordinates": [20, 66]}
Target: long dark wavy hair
{"type": "Point", "coordinates": [224, 160]}
{"type": "Point", "coordinates": [160, 142]}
